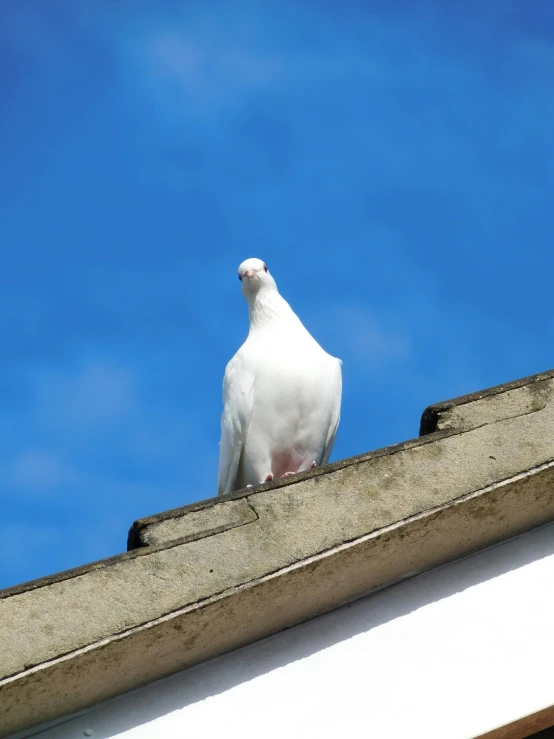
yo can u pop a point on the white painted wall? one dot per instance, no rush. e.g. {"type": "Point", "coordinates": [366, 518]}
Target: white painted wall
{"type": "Point", "coordinates": [447, 655]}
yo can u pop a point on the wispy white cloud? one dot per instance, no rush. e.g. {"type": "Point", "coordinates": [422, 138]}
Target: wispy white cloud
{"type": "Point", "coordinates": [374, 343]}
{"type": "Point", "coordinates": [169, 57]}
{"type": "Point", "coordinates": [98, 426]}
{"type": "Point", "coordinates": [23, 544]}
{"type": "Point", "coordinates": [371, 342]}
{"type": "Point", "coordinates": [38, 473]}
{"type": "Point", "coordinates": [420, 123]}
{"type": "Point", "coordinates": [402, 163]}
{"type": "Point", "coordinates": [92, 395]}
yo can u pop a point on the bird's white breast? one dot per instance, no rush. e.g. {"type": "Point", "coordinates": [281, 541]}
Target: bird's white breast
{"type": "Point", "coordinates": [295, 394]}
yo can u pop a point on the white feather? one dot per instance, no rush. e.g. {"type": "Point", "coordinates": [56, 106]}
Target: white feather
{"type": "Point", "coordinates": [238, 396]}
{"type": "Point", "coordinates": [281, 392]}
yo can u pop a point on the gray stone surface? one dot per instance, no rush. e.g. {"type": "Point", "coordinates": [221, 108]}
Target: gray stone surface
{"type": "Point", "coordinates": [219, 574]}
{"type": "Point", "coordinates": [488, 406]}
{"type": "Point", "coordinates": [194, 524]}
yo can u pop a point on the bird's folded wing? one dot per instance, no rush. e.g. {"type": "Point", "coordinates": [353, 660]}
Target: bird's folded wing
{"type": "Point", "coordinates": [238, 394]}
{"type": "Point", "coordinates": [335, 415]}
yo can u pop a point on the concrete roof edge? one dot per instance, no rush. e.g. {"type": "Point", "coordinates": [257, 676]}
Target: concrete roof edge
{"type": "Point", "coordinates": [222, 573]}
{"type": "Point", "coordinates": [134, 540]}
{"type": "Point", "coordinates": [136, 548]}
{"type": "Point", "coordinates": [430, 415]}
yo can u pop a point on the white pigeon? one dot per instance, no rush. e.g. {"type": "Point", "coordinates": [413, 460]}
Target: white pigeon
{"type": "Point", "coordinates": [281, 393]}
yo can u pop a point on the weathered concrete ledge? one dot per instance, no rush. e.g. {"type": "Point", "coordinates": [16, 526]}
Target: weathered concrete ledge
{"type": "Point", "coordinates": [210, 577]}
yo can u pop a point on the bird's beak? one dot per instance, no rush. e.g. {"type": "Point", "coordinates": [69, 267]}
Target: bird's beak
{"type": "Point", "coordinates": [249, 272]}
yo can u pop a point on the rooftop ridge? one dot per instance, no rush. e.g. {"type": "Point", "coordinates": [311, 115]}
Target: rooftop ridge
{"type": "Point", "coordinates": [201, 580]}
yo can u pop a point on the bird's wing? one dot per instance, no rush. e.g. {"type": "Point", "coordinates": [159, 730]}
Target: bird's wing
{"type": "Point", "coordinates": [335, 415]}
{"type": "Point", "coordinates": [238, 398]}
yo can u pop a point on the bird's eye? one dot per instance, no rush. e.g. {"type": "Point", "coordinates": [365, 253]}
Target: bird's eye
{"type": "Point", "coordinates": [240, 277]}
{"type": "Point", "coordinates": [265, 267]}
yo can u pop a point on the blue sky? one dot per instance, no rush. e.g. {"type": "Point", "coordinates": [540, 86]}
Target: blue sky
{"type": "Point", "coordinates": [393, 163]}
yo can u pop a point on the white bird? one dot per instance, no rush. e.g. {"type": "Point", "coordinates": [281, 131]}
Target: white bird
{"type": "Point", "coordinates": [281, 392]}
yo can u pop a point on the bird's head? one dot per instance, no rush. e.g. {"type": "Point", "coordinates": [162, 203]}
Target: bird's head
{"type": "Point", "coordinates": [254, 276]}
